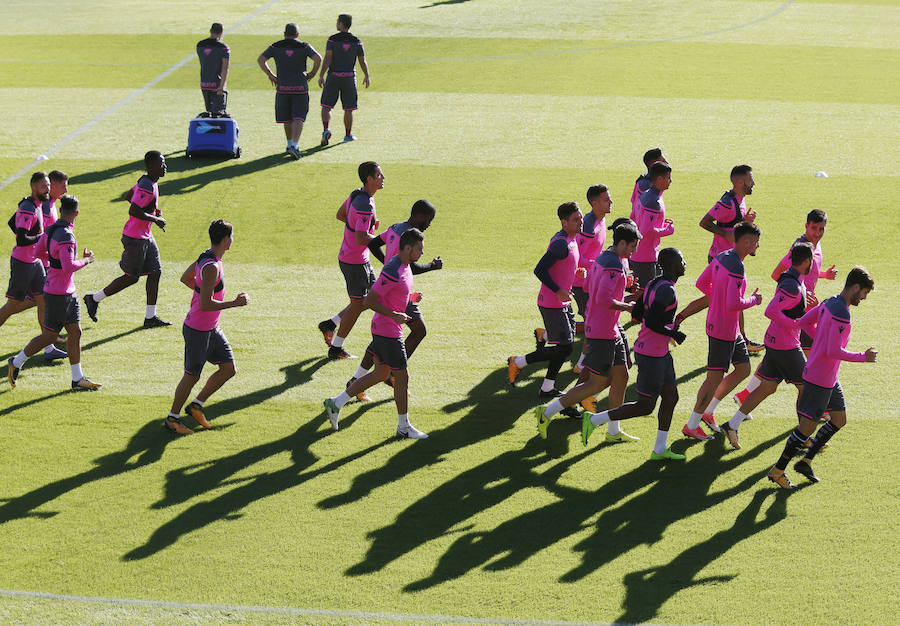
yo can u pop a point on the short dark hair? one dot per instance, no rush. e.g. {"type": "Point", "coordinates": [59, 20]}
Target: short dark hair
{"type": "Point", "coordinates": [659, 169]}
{"type": "Point", "coordinates": [740, 170]}
{"type": "Point", "coordinates": [802, 251]}
{"type": "Point", "coordinates": [667, 256]}
{"type": "Point", "coordinates": [151, 156]}
{"type": "Point", "coordinates": [411, 237]}
{"type": "Point", "coordinates": [366, 169]}
{"type": "Point", "coordinates": [621, 220]}
{"type": "Point", "coordinates": [290, 30]}
{"type": "Point", "coordinates": [345, 19]}
{"type": "Point", "coordinates": [216, 28]}
{"type": "Point", "coordinates": [218, 230]}
{"type": "Point", "coordinates": [651, 155]}
{"type": "Point", "coordinates": [816, 216]}
{"type": "Point", "coordinates": [745, 229]}
{"type": "Point", "coordinates": [37, 177]}
{"type": "Point", "coordinates": [566, 209]}
{"type": "Point", "coordinates": [56, 176]}
{"type": "Point", "coordinates": [860, 276]}
{"type": "Point", "coordinates": [68, 204]}
{"type": "Point", "coordinates": [422, 207]}
{"type": "Point", "coordinates": [626, 233]}
{"type": "Point", "coordinates": [594, 191]}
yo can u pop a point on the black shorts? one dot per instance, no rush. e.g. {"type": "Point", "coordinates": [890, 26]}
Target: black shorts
{"type": "Point", "coordinates": [786, 365]}
{"type": "Point", "coordinates": [204, 346]}
{"type": "Point", "coordinates": [805, 340]}
{"type": "Point", "coordinates": [559, 323]}
{"type": "Point", "coordinates": [414, 312]}
{"type": "Point", "coordinates": [290, 107]}
{"type": "Point", "coordinates": [581, 299]}
{"type": "Point", "coordinates": [603, 354]}
{"type": "Point", "coordinates": [26, 280]}
{"type": "Point", "coordinates": [61, 309]}
{"type": "Point", "coordinates": [213, 102]}
{"type": "Point", "coordinates": [654, 372]}
{"type": "Point", "coordinates": [644, 271]}
{"type": "Point", "coordinates": [139, 256]}
{"type": "Point", "coordinates": [722, 353]}
{"type": "Point", "coordinates": [359, 278]}
{"type": "Point", "coordinates": [390, 350]}
{"type": "Point", "coordinates": [814, 400]}
{"type": "Point", "coordinates": [343, 85]}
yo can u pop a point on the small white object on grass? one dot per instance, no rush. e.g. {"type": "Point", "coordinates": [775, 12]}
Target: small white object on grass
{"type": "Point", "coordinates": [820, 174]}
{"type": "Point", "coordinates": [42, 157]}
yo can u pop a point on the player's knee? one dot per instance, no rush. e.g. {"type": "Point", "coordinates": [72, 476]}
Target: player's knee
{"type": "Point", "coordinates": [563, 350]}
{"type": "Point", "coordinates": [646, 404]}
{"type": "Point", "coordinates": [73, 331]}
{"type": "Point", "coordinates": [228, 369]}
{"type": "Point", "coordinates": [669, 396]}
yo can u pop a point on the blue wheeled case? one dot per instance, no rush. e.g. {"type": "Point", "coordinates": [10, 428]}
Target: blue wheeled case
{"type": "Point", "coordinates": [213, 137]}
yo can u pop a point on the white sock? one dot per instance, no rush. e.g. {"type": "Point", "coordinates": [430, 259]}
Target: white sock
{"type": "Point", "coordinates": [151, 311]}
{"type": "Point", "coordinates": [197, 401]}
{"type": "Point", "coordinates": [660, 445]}
{"type": "Point", "coordinates": [755, 381]}
{"type": "Point", "coordinates": [341, 399]}
{"type": "Point", "coordinates": [402, 420]}
{"type": "Point", "coordinates": [600, 418]}
{"type": "Point", "coordinates": [735, 421]}
{"type": "Point", "coordinates": [553, 408]}
{"type": "Point", "coordinates": [77, 374]}
{"type": "Point", "coordinates": [19, 359]}
{"type": "Point", "coordinates": [49, 349]}
{"type": "Point", "coordinates": [580, 360]}
{"type": "Point", "coordinates": [694, 420]}
{"type": "Point", "coordinates": [175, 415]}
{"type": "Point", "coordinates": [520, 361]}
{"type": "Point", "coordinates": [99, 296]}
{"type": "Point", "coordinates": [337, 341]}
{"type": "Point", "coordinates": [360, 372]}
{"type": "Point", "coordinates": [613, 428]}
{"type": "Point", "coordinates": [712, 406]}
{"type": "Point", "coordinates": [548, 385]}
{"type": "Point", "coordinates": [336, 320]}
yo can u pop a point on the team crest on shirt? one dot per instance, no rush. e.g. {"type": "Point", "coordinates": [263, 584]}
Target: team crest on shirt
{"type": "Point", "coordinates": [207, 51]}
{"type": "Point", "coordinates": [346, 47]}
{"type": "Point", "coordinates": [840, 329]}
{"type": "Point", "coordinates": [290, 53]}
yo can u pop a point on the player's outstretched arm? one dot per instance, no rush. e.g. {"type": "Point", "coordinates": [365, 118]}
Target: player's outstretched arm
{"type": "Point", "coordinates": [691, 309]}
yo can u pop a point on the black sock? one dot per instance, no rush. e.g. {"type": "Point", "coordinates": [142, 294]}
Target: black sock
{"type": "Point", "coordinates": [825, 433]}
{"type": "Point", "coordinates": [794, 443]}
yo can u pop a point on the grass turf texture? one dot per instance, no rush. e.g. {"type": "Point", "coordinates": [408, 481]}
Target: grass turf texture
{"type": "Point", "coordinates": [503, 123]}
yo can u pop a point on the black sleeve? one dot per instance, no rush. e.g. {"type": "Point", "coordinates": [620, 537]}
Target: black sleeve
{"type": "Point", "coordinates": [23, 238]}
{"type": "Point", "coordinates": [375, 249]}
{"type": "Point", "coordinates": [421, 268]}
{"type": "Point", "coordinates": [12, 223]}
{"type": "Point", "coordinates": [656, 316]}
{"type": "Point", "coordinates": [557, 251]}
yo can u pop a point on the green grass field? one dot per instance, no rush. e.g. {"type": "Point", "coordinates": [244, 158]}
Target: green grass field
{"type": "Point", "coordinates": [497, 112]}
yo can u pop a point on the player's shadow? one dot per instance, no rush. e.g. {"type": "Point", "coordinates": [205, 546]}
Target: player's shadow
{"type": "Point", "coordinates": [493, 408]}
{"type": "Point", "coordinates": [171, 185]}
{"type": "Point", "coordinates": [37, 360]}
{"type": "Point", "coordinates": [647, 590]}
{"type": "Point", "coordinates": [132, 167]}
{"type": "Point", "coordinates": [441, 3]}
{"type": "Point", "coordinates": [27, 403]}
{"type": "Point", "coordinates": [145, 447]}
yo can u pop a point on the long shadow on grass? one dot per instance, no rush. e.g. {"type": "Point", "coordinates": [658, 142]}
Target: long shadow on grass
{"type": "Point", "coordinates": [647, 590]}
{"type": "Point", "coordinates": [194, 480]}
{"type": "Point", "coordinates": [176, 164]}
{"type": "Point", "coordinates": [38, 361]}
{"type": "Point", "coordinates": [145, 447]}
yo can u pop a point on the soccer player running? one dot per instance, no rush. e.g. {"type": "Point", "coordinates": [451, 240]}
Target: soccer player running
{"type": "Point", "coordinates": [360, 225]}
{"type": "Point", "coordinates": [140, 256]}
{"type": "Point", "coordinates": [291, 82]}
{"type": "Point", "coordinates": [341, 53]}
{"type": "Point", "coordinates": [556, 270]}
{"type": "Point", "coordinates": [214, 57]}
{"type": "Point", "coordinates": [204, 340]}
{"type": "Point", "coordinates": [784, 359]}
{"type": "Point", "coordinates": [642, 184]}
{"type": "Point", "coordinates": [722, 218]}
{"type": "Point", "coordinates": [420, 218]}
{"type": "Point", "coordinates": [27, 263]}
{"type": "Point", "coordinates": [656, 370]}
{"type": "Point", "coordinates": [388, 298]}
{"type": "Point", "coordinates": [61, 302]}
{"type": "Point", "coordinates": [606, 348]}
{"type": "Point", "coordinates": [650, 217]}
{"type": "Point", "coordinates": [829, 324]}
{"type": "Point", "coordinates": [723, 284]}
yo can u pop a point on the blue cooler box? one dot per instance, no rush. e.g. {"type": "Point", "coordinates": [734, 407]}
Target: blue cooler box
{"type": "Point", "coordinates": [213, 137]}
